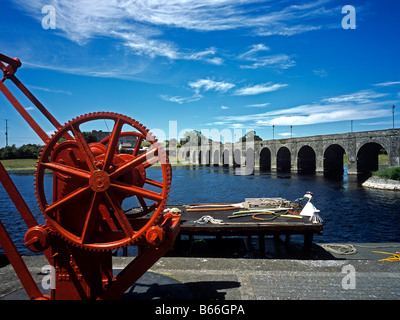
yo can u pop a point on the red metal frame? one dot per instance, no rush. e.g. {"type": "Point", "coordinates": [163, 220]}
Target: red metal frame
{"type": "Point", "coordinates": [79, 235]}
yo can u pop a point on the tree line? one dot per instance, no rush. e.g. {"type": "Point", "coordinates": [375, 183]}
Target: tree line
{"type": "Point", "coordinates": [26, 151]}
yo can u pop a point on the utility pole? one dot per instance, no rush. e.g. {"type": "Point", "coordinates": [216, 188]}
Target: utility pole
{"type": "Point", "coordinates": [6, 132]}
{"type": "Point", "coordinates": [393, 115]}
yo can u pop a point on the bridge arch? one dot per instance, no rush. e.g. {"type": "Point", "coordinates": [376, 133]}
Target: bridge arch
{"type": "Point", "coordinates": [306, 160]}
{"type": "Point", "coordinates": [216, 157]}
{"type": "Point", "coordinates": [265, 159]}
{"type": "Point", "coordinates": [237, 158]}
{"type": "Point", "coordinates": [368, 157]}
{"type": "Point", "coordinates": [194, 157]}
{"type": "Point", "coordinates": [333, 159]}
{"type": "Point", "coordinates": [225, 158]}
{"type": "Point", "coordinates": [250, 159]}
{"type": "Point", "coordinates": [283, 160]}
{"type": "Point", "coordinates": [208, 157]}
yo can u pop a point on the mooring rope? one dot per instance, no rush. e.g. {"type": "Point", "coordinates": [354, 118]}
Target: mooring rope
{"type": "Point", "coordinates": [339, 248]}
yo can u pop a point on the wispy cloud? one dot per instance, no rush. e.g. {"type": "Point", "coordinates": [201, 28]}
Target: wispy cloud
{"type": "Point", "coordinates": [200, 86]}
{"type": "Point", "coordinates": [322, 73]}
{"type": "Point", "coordinates": [254, 49]}
{"type": "Point", "coordinates": [311, 114]}
{"type": "Point", "coordinates": [362, 96]}
{"type": "Point", "coordinates": [259, 88]}
{"type": "Point", "coordinates": [50, 90]}
{"type": "Point", "coordinates": [180, 100]}
{"type": "Point", "coordinates": [140, 24]}
{"type": "Point", "coordinates": [256, 58]}
{"type": "Point", "coordinates": [361, 105]}
{"type": "Point", "coordinates": [210, 85]}
{"type": "Point", "coordinates": [387, 83]}
{"type": "Point", "coordinates": [258, 105]}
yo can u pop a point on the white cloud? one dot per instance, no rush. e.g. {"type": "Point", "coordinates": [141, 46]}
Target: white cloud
{"type": "Point", "coordinates": [206, 55]}
{"type": "Point", "coordinates": [387, 83]}
{"type": "Point", "coordinates": [361, 105]}
{"type": "Point", "coordinates": [181, 100]}
{"type": "Point", "coordinates": [279, 61]}
{"type": "Point", "coordinates": [224, 107]}
{"type": "Point", "coordinates": [284, 30]}
{"type": "Point", "coordinates": [259, 88]}
{"type": "Point", "coordinates": [200, 85]}
{"type": "Point", "coordinates": [50, 90]}
{"type": "Point", "coordinates": [255, 48]}
{"type": "Point", "coordinates": [211, 85]}
{"type": "Point", "coordinates": [258, 105]}
{"type": "Point", "coordinates": [140, 24]}
{"type": "Point", "coordinates": [362, 96]}
{"type": "Point", "coordinates": [312, 114]}
{"type": "Point", "coordinates": [322, 73]}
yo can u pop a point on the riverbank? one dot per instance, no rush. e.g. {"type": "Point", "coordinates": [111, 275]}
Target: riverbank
{"type": "Point", "coordinates": [30, 164]}
{"type": "Point", "coordinates": [381, 183]}
{"type": "Point", "coordinates": [19, 164]}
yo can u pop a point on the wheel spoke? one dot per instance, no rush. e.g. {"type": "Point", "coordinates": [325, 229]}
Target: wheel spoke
{"type": "Point", "coordinates": [154, 183]}
{"type": "Point", "coordinates": [91, 216]}
{"type": "Point", "coordinates": [137, 146]}
{"type": "Point", "coordinates": [133, 163]}
{"type": "Point", "coordinates": [119, 213]}
{"type": "Point", "coordinates": [112, 145]}
{"type": "Point", "coordinates": [68, 170]}
{"type": "Point", "coordinates": [137, 191]}
{"type": "Point", "coordinates": [83, 146]}
{"type": "Point", "coordinates": [142, 203]}
{"type": "Point", "coordinates": [68, 199]}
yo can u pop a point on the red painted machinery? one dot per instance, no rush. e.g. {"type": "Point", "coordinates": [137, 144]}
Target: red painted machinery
{"type": "Point", "coordinates": [84, 219]}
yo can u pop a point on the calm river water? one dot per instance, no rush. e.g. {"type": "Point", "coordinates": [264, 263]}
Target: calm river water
{"type": "Point", "coordinates": [350, 212]}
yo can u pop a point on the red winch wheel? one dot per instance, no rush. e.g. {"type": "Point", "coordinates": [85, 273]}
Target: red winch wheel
{"type": "Point", "coordinates": [91, 180]}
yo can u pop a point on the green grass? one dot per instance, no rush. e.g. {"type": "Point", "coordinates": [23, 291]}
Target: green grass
{"type": "Point", "coordinates": [389, 173]}
{"type": "Point", "coordinates": [19, 164]}
{"type": "Point", "coordinates": [29, 164]}
{"type": "Point", "coordinates": [382, 159]}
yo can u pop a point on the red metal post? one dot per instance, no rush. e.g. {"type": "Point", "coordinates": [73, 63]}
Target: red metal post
{"type": "Point", "coordinates": [43, 135]}
{"type": "Point", "coordinates": [16, 198]}
{"type": "Point", "coordinates": [19, 265]}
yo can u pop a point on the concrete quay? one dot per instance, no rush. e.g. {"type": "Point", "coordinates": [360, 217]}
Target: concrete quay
{"type": "Point", "coordinates": [342, 277]}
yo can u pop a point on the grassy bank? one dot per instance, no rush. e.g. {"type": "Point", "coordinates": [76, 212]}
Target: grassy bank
{"type": "Point", "coordinates": [19, 164]}
{"type": "Point", "coordinates": [29, 164]}
{"type": "Point", "coordinates": [388, 173]}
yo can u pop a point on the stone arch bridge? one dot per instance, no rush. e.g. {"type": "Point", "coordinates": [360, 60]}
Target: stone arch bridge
{"type": "Point", "coordinates": [321, 153]}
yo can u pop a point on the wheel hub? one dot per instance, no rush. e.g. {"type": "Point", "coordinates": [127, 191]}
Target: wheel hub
{"type": "Point", "coordinates": [99, 181]}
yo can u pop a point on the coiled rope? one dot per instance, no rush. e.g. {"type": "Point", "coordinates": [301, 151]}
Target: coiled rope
{"type": "Point", "coordinates": [339, 248]}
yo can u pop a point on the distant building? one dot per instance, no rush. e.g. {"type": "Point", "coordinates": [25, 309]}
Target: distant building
{"type": "Point", "coordinates": [127, 143]}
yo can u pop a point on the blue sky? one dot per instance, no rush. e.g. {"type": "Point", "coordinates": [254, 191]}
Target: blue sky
{"type": "Point", "coordinates": [209, 64]}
